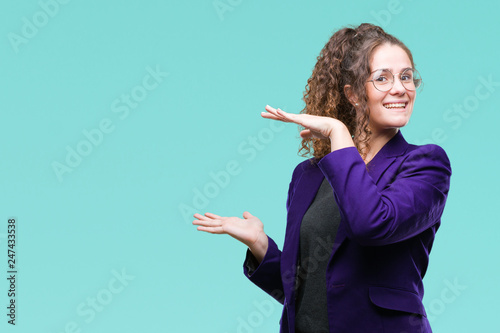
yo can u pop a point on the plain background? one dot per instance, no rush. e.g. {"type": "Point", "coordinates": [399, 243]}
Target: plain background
{"type": "Point", "coordinates": [122, 208]}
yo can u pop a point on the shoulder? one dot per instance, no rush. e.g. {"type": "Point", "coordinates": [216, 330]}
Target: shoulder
{"type": "Point", "coordinates": [429, 154]}
{"type": "Point", "coordinates": [301, 169]}
{"type": "Point", "coordinates": [304, 167]}
{"type": "Point", "coordinates": [426, 164]}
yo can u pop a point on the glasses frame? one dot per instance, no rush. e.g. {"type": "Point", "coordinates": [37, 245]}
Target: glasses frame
{"type": "Point", "coordinates": [417, 85]}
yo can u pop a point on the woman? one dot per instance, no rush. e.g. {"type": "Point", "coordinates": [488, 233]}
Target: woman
{"type": "Point", "coordinates": [363, 211]}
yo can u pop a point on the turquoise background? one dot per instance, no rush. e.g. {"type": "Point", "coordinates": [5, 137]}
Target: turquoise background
{"type": "Point", "coordinates": [119, 211]}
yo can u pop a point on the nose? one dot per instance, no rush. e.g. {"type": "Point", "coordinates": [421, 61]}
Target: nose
{"type": "Point", "coordinates": [397, 87]}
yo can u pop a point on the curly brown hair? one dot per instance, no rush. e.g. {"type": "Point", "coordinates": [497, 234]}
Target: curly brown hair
{"type": "Point", "coordinates": [344, 60]}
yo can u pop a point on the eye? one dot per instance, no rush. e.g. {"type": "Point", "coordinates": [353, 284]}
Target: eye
{"type": "Point", "coordinates": [406, 78]}
{"type": "Point", "coordinates": [380, 78]}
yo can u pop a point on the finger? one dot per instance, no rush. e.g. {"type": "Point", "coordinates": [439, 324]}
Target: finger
{"type": "Point", "coordinates": [299, 119]}
{"type": "Point", "coordinates": [273, 111]}
{"type": "Point", "coordinates": [306, 134]}
{"type": "Point", "coordinates": [212, 230]}
{"type": "Point", "coordinates": [200, 222]}
{"type": "Point", "coordinates": [309, 134]}
{"type": "Point", "coordinates": [208, 223]}
{"type": "Point", "coordinates": [273, 114]}
{"type": "Point", "coordinates": [247, 215]}
{"type": "Point", "coordinates": [270, 108]}
{"type": "Point", "coordinates": [310, 122]}
{"type": "Point", "coordinates": [212, 215]}
{"type": "Point", "coordinates": [273, 117]}
{"type": "Point", "coordinates": [296, 118]}
{"type": "Point", "coordinates": [201, 217]}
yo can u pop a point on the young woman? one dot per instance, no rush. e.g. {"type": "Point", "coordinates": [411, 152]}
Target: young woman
{"type": "Point", "coordinates": [362, 213]}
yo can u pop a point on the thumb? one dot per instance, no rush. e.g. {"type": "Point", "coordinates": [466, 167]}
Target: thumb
{"type": "Point", "coordinates": [247, 215]}
{"type": "Point", "coordinates": [306, 134]}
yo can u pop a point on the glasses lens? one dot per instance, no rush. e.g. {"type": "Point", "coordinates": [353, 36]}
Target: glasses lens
{"type": "Point", "coordinates": [383, 80]}
{"type": "Point", "coordinates": [417, 79]}
{"type": "Point", "coordinates": [411, 79]}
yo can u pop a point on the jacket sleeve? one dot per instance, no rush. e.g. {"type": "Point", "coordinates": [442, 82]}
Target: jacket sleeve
{"type": "Point", "coordinates": [411, 202]}
{"type": "Point", "coordinates": [267, 274]}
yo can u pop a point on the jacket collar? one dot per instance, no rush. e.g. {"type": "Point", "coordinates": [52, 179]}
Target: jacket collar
{"type": "Point", "coordinates": [395, 147]}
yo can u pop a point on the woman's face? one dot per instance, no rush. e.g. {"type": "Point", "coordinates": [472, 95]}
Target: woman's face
{"type": "Point", "coordinates": [389, 109]}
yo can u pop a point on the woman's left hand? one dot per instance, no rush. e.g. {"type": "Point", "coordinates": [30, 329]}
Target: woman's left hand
{"type": "Point", "coordinates": [315, 126]}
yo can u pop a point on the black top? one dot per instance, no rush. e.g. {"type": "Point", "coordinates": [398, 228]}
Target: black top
{"type": "Point", "coordinates": [317, 234]}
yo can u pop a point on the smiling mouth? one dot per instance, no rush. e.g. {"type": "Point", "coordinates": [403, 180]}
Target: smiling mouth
{"type": "Point", "coordinates": [395, 105]}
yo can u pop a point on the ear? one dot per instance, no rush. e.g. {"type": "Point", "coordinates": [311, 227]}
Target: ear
{"type": "Point", "coordinates": [350, 94]}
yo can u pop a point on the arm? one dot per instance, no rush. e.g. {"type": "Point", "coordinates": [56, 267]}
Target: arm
{"type": "Point", "coordinates": [263, 258]}
{"type": "Point", "coordinates": [266, 274]}
{"type": "Point", "coordinates": [262, 263]}
{"type": "Point", "coordinates": [410, 204]}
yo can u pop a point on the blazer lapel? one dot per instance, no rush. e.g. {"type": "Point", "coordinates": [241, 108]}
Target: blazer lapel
{"type": "Point", "coordinates": [395, 147]}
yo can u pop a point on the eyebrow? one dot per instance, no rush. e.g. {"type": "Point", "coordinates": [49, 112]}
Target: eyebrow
{"type": "Point", "coordinates": [390, 70]}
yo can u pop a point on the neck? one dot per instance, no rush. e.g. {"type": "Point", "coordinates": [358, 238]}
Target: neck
{"type": "Point", "coordinates": [377, 141]}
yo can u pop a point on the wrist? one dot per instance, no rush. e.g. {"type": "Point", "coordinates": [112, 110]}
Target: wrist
{"type": "Point", "coordinates": [340, 137]}
{"type": "Point", "coordinates": [259, 247]}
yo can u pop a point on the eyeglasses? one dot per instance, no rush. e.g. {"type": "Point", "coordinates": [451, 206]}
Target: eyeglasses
{"type": "Point", "coordinates": [383, 79]}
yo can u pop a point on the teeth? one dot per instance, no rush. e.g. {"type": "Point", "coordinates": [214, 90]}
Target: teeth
{"type": "Point", "coordinates": [394, 105]}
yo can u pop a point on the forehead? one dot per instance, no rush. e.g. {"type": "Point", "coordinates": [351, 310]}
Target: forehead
{"type": "Point", "coordinates": [391, 57]}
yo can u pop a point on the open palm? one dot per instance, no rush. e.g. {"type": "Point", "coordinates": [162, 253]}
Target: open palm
{"type": "Point", "coordinates": [247, 230]}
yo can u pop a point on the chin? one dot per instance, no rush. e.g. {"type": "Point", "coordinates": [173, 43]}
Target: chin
{"type": "Point", "coordinates": [402, 123]}
{"type": "Point", "coordinates": [394, 126]}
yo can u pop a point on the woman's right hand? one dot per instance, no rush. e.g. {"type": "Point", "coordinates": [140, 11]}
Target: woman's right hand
{"type": "Point", "coordinates": [249, 230]}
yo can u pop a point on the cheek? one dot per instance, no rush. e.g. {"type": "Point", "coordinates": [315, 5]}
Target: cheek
{"type": "Point", "coordinates": [413, 96]}
{"type": "Point", "coordinates": [375, 97]}
{"type": "Point", "coordinates": [371, 93]}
